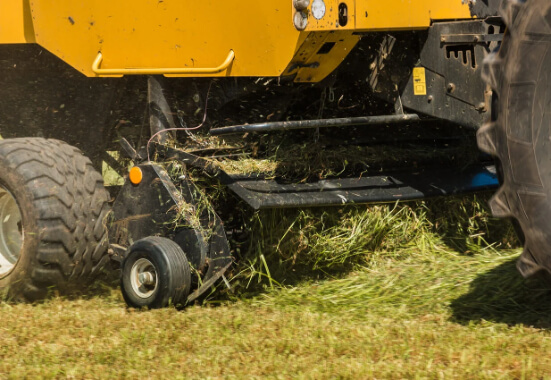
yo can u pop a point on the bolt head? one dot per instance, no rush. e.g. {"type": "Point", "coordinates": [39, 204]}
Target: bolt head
{"type": "Point", "coordinates": [301, 5]}
{"type": "Point", "coordinates": [300, 20]}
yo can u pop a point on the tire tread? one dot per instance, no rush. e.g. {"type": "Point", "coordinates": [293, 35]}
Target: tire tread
{"type": "Point", "coordinates": [72, 208]}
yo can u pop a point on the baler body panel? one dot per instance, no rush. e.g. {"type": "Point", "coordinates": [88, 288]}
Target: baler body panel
{"type": "Point", "coordinates": [134, 37]}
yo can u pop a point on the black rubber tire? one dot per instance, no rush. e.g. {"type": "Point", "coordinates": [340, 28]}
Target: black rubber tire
{"type": "Point", "coordinates": [63, 207]}
{"type": "Point", "coordinates": [519, 134]}
{"type": "Point", "coordinates": [173, 273]}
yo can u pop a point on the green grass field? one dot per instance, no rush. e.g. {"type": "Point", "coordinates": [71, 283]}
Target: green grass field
{"type": "Point", "coordinates": [419, 290]}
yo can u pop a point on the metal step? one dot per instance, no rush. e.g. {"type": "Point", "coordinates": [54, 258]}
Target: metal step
{"type": "Point", "coordinates": [261, 193]}
{"type": "Point", "coordinates": [268, 193]}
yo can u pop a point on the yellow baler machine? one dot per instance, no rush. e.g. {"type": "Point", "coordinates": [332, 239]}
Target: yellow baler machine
{"type": "Point", "coordinates": [231, 38]}
{"type": "Point", "coordinates": [60, 69]}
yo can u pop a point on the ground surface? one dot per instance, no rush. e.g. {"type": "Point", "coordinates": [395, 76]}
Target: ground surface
{"type": "Point", "coordinates": [437, 303]}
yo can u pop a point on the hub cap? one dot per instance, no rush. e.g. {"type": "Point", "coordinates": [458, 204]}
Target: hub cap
{"type": "Point", "coordinates": [11, 232]}
{"type": "Point", "coordinates": [143, 278]}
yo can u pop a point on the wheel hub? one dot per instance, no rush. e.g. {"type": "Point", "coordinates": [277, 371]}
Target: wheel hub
{"type": "Point", "coordinates": [11, 231]}
{"type": "Point", "coordinates": [143, 278]}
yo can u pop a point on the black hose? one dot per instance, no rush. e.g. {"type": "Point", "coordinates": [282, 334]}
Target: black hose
{"type": "Point", "coordinates": [321, 123]}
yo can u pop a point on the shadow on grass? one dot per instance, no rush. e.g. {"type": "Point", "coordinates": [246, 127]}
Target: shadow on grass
{"type": "Point", "coordinates": [465, 225]}
{"type": "Point", "coordinates": [501, 295]}
{"type": "Point", "coordinates": [103, 285]}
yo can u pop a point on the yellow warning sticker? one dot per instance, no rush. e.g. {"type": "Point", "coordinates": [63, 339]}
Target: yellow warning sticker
{"type": "Point", "coordinates": [419, 81]}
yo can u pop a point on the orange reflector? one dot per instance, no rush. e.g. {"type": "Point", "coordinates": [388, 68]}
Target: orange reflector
{"type": "Point", "coordinates": [136, 175]}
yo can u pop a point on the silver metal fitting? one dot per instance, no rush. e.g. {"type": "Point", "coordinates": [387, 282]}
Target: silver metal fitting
{"type": "Point", "coordinates": [301, 20]}
{"type": "Point", "coordinates": [301, 5]}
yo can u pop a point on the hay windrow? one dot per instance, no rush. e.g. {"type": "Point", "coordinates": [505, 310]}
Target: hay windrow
{"type": "Point", "coordinates": [301, 245]}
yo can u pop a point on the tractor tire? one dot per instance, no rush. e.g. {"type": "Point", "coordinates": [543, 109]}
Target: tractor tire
{"type": "Point", "coordinates": [519, 134]}
{"type": "Point", "coordinates": [53, 208]}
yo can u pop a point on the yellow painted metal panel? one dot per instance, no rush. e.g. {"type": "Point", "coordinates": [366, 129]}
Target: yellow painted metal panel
{"type": "Point", "coordinates": [170, 33]}
{"type": "Point", "coordinates": [330, 20]}
{"type": "Point", "coordinates": [320, 54]}
{"type": "Point", "coordinates": [15, 22]}
{"type": "Point", "coordinates": [193, 38]}
{"type": "Point", "coordinates": [407, 14]}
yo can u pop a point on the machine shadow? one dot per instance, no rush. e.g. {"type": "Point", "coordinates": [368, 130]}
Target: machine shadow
{"type": "Point", "coordinates": [501, 295]}
{"type": "Point", "coordinates": [104, 285]}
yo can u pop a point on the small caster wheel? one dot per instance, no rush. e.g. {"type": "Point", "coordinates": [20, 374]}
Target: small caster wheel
{"type": "Point", "coordinates": [155, 274]}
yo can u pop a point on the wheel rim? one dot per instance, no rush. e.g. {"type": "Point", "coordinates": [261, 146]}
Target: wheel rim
{"type": "Point", "coordinates": [11, 232]}
{"type": "Point", "coordinates": [143, 278]}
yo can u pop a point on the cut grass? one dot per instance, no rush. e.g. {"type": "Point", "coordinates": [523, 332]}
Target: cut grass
{"type": "Point", "coordinates": [285, 246]}
{"type": "Point", "coordinates": [296, 157]}
{"type": "Point", "coordinates": [483, 287]}
{"type": "Point", "coordinates": [430, 291]}
{"type": "Point", "coordinates": [404, 319]}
